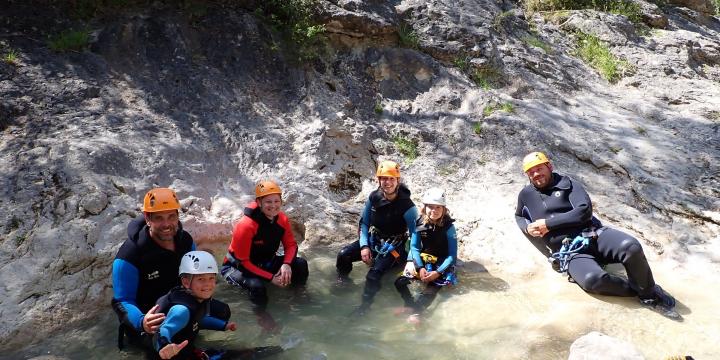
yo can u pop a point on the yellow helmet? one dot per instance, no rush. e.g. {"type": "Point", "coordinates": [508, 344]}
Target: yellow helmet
{"type": "Point", "coordinates": [388, 168]}
{"type": "Point", "coordinates": [265, 188]}
{"type": "Point", "coordinates": [160, 199]}
{"type": "Point", "coordinates": [534, 158]}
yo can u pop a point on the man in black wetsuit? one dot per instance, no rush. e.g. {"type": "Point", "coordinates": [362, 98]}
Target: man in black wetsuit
{"type": "Point", "coordinates": [554, 208]}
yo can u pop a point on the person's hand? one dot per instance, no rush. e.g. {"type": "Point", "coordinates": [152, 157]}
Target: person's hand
{"type": "Point", "coordinates": [422, 273]}
{"type": "Point", "coordinates": [152, 320]}
{"type": "Point", "coordinates": [537, 228]}
{"type": "Point", "coordinates": [410, 270]}
{"type": "Point", "coordinates": [366, 256]}
{"type": "Point", "coordinates": [231, 326]}
{"type": "Point", "coordinates": [430, 276]}
{"type": "Point", "coordinates": [283, 276]}
{"type": "Point", "coordinates": [171, 350]}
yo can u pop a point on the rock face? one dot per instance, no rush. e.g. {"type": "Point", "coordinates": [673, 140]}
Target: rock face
{"type": "Point", "coordinates": [208, 106]}
{"type": "Point", "coordinates": [597, 346]}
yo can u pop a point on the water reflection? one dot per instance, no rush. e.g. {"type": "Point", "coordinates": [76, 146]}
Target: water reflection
{"type": "Point", "coordinates": [484, 317]}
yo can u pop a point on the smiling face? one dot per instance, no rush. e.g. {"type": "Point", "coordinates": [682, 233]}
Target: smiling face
{"type": "Point", "coordinates": [434, 212]}
{"type": "Point", "coordinates": [270, 205]}
{"type": "Point", "coordinates": [540, 175]}
{"type": "Point", "coordinates": [163, 225]}
{"type": "Point", "coordinates": [201, 286]}
{"type": "Point", "coordinates": [388, 185]}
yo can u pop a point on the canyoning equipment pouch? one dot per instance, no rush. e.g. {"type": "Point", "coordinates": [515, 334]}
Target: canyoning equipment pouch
{"type": "Point", "coordinates": [383, 245]}
{"type": "Point", "coordinates": [430, 264]}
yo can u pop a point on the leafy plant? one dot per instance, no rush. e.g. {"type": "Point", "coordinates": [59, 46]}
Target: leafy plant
{"type": "Point", "coordinates": [11, 57]}
{"type": "Point", "coordinates": [621, 7]}
{"type": "Point", "coordinates": [499, 20]}
{"type": "Point", "coordinates": [487, 77]}
{"type": "Point", "coordinates": [293, 19]}
{"type": "Point", "coordinates": [507, 107]}
{"type": "Point", "coordinates": [75, 40]}
{"type": "Point", "coordinates": [492, 107]}
{"type": "Point", "coordinates": [408, 37]}
{"type": "Point", "coordinates": [462, 63]}
{"type": "Point", "coordinates": [477, 127]}
{"type": "Point", "coordinates": [598, 56]}
{"type": "Point", "coordinates": [378, 107]}
{"type": "Point", "coordinates": [407, 147]}
{"type": "Point", "coordinates": [640, 130]}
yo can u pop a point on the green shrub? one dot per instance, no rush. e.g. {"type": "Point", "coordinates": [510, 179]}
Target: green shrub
{"type": "Point", "coordinates": [621, 7]}
{"type": "Point", "coordinates": [507, 107]}
{"type": "Point", "coordinates": [11, 57]}
{"type": "Point", "coordinates": [407, 147]}
{"type": "Point", "coordinates": [408, 37]}
{"type": "Point", "coordinates": [487, 77]}
{"type": "Point", "coordinates": [477, 127]}
{"type": "Point", "coordinates": [717, 6]}
{"type": "Point", "coordinates": [489, 109]}
{"type": "Point", "coordinates": [462, 63]}
{"type": "Point", "coordinates": [293, 19]}
{"type": "Point", "coordinates": [378, 107]}
{"type": "Point", "coordinates": [499, 20]}
{"type": "Point", "coordinates": [596, 54]}
{"type": "Point", "coordinates": [75, 40]}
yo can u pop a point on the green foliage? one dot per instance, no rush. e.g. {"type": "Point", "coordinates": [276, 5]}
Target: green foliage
{"type": "Point", "coordinates": [717, 6]}
{"type": "Point", "coordinates": [477, 126]}
{"type": "Point", "coordinates": [408, 37]}
{"type": "Point", "coordinates": [489, 109]}
{"type": "Point", "coordinates": [11, 57]}
{"type": "Point", "coordinates": [621, 7]}
{"type": "Point", "coordinates": [487, 77]}
{"type": "Point", "coordinates": [293, 19]}
{"type": "Point", "coordinates": [407, 147]}
{"type": "Point", "coordinates": [462, 63]}
{"type": "Point", "coordinates": [378, 107]}
{"type": "Point", "coordinates": [598, 56]}
{"type": "Point", "coordinates": [640, 130]}
{"type": "Point", "coordinates": [75, 40]}
{"type": "Point", "coordinates": [534, 41]}
{"type": "Point", "coordinates": [615, 149]}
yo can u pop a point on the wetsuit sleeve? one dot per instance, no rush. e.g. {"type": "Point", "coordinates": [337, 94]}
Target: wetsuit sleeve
{"type": "Point", "coordinates": [522, 216]}
{"type": "Point", "coordinates": [415, 250]}
{"type": "Point", "coordinates": [452, 249]}
{"type": "Point", "coordinates": [125, 278]}
{"type": "Point", "coordinates": [365, 225]}
{"type": "Point", "coordinates": [580, 214]}
{"type": "Point", "coordinates": [411, 216]}
{"type": "Point", "coordinates": [288, 241]}
{"type": "Point", "coordinates": [176, 319]}
{"type": "Point", "coordinates": [213, 323]}
{"type": "Point", "coordinates": [241, 244]}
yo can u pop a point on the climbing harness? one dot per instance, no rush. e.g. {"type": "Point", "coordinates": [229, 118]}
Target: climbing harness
{"type": "Point", "coordinates": [561, 259]}
{"type": "Point", "coordinates": [384, 245]}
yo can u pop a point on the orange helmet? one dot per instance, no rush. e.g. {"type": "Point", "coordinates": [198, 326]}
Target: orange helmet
{"type": "Point", "coordinates": [160, 199]}
{"type": "Point", "coordinates": [265, 188]}
{"type": "Point", "coordinates": [388, 168]}
{"type": "Point", "coordinates": [533, 159]}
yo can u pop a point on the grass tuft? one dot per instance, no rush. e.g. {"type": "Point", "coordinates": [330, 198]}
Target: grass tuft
{"type": "Point", "coordinates": [534, 41]}
{"type": "Point", "coordinates": [70, 40]}
{"type": "Point", "coordinates": [11, 57]}
{"type": "Point", "coordinates": [407, 147]}
{"type": "Point", "coordinates": [594, 52]}
{"type": "Point", "coordinates": [408, 37]}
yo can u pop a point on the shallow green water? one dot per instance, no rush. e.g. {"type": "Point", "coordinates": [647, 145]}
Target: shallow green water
{"type": "Point", "coordinates": [484, 317]}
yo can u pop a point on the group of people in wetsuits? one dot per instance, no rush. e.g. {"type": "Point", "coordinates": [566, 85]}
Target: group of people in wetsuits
{"type": "Point", "coordinates": [163, 286]}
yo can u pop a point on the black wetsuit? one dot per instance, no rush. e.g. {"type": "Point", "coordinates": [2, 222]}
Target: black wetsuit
{"type": "Point", "coordinates": [567, 210]}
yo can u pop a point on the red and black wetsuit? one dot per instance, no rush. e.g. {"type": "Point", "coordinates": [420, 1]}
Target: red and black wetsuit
{"type": "Point", "coordinates": [252, 261]}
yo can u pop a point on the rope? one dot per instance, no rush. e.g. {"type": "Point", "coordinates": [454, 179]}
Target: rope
{"type": "Point", "coordinates": [569, 248]}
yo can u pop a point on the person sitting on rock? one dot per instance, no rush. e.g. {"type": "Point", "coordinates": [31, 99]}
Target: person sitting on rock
{"type": "Point", "coordinates": [433, 251]}
{"type": "Point", "coordinates": [186, 306]}
{"type": "Point", "coordinates": [251, 261]}
{"type": "Point", "coordinates": [384, 224]}
{"type": "Point", "coordinates": [555, 213]}
{"type": "Point", "coordinates": [145, 267]}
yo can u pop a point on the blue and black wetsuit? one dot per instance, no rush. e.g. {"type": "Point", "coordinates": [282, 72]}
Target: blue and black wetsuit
{"type": "Point", "coordinates": [567, 210]}
{"type": "Point", "coordinates": [388, 220]}
{"type": "Point", "coordinates": [143, 272]}
{"type": "Point", "coordinates": [439, 241]}
{"type": "Point", "coordinates": [185, 316]}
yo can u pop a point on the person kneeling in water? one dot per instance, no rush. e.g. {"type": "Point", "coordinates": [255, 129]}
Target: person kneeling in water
{"type": "Point", "coordinates": [433, 251]}
{"type": "Point", "coordinates": [186, 306]}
